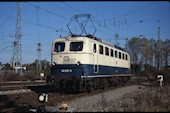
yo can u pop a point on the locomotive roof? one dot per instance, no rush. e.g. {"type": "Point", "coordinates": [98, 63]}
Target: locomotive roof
{"type": "Point", "coordinates": [97, 39]}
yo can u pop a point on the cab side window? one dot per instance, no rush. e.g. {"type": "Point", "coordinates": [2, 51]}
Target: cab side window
{"type": "Point", "coordinates": [100, 49]}
{"type": "Point", "coordinates": [94, 48]}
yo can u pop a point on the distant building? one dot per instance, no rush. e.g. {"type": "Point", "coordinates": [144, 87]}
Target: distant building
{"type": "Point", "coordinates": [1, 67]}
{"type": "Point", "coordinates": [20, 68]}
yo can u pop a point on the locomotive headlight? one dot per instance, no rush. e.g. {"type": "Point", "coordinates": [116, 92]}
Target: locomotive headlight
{"type": "Point", "coordinates": [54, 63]}
{"type": "Point", "coordinates": [78, 63]}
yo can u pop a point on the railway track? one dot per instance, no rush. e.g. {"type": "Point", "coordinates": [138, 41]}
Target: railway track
{"type": "Point", "coordinates": [24, 101]}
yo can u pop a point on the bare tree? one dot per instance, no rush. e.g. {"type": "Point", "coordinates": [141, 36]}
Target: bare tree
{"type": "Point", "coordinates": [166, 51]}
{"type": "Point", "coordinates": [134, 49]}
{"type": "Point", "coordinates": [151, 60]}
{"type": "Point", "coordinates": [145, 50]}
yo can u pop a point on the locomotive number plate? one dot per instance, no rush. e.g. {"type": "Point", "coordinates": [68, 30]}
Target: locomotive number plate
{"type": "Point", "coordinates": [66, 70]}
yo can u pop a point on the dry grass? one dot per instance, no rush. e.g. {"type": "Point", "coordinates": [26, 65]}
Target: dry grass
{"type": "Point", "coordinates": [154, 99]}
{"type": "Point", "coordinates": [12, 76]}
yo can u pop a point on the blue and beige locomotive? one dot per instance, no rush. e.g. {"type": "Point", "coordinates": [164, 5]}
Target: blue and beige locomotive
{"type": "Point", "coordinates": [87, 62]}
{"type": "Point", "coordinates": [84, 62]}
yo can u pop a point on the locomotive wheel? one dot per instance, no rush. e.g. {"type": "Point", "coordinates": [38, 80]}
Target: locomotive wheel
{"type": "Point", "coordinates": [115, 81]}
{"type": "Point", "coordinates": [81, 86]}
{"type": "Point", "coordinates": [89, 86]}
{"type": "Point", "coordinates": [77, 86]}
{"type": "Point", "coordinates": [103, 83]}
{"type": "Point", "coordinates": [122, 80]}
{"type": "Point", "coordinates": [95, 84]}
{"type": "Point", "coordinates": [61, 86]}
{"type": "Point", "coordinates": [110, 82]}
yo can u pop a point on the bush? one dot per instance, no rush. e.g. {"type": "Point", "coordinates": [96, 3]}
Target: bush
{"type": "Point", "coordinates": [12, 76]}
{"type": "Point", "coordinates": [30, 75]}
{"type": "Point", "coordinates": [152, 73]}
{"type": "Point", "coordinates": [9, 75]}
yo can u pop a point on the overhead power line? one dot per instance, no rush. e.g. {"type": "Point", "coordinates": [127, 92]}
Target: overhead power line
{"type": "Point", "coordinates": [31, 23]}
{"type": "Point", "coordinates": [54, 13]}
{"type": "Point", "coordinates": [61, 8]}
{"type": "Point", "coordinates": [127, 14]}
{"type": "Point", "coordinates": [71, 7]}
{"type": "Point", "coordinates": [7, 18]}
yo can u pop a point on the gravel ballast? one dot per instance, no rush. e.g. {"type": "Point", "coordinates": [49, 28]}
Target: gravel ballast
{"type": "Point", "coordinates": [105, 101]}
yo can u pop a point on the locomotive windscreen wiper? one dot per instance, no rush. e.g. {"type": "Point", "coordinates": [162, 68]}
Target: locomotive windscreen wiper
{"type": "Point", "coordinates": [78, 47]}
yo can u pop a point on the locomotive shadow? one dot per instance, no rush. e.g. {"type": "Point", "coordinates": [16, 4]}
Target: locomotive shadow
{"type": "Point", "coordinates": [42, 89]}
{"type": "Point", "coordinates": [48, 89]}
{"type": "Point", "coordinates": [5, 103]}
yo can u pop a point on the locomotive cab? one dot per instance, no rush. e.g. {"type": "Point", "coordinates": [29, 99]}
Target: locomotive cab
{"type": "Point", "coordinates": [71, 58]}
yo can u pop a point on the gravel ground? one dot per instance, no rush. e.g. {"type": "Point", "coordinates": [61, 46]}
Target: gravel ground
{"type": "Point", "coordinates": [112, 100]}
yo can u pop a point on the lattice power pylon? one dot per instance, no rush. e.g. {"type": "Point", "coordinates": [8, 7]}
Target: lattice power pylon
{"type": "Point", "coordinates": [17, 55]}
{"type": "Point", "coordinates": [39, 57]}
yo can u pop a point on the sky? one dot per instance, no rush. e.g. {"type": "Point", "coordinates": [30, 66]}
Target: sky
{"type": "Point", "coordinates": [42, 22]}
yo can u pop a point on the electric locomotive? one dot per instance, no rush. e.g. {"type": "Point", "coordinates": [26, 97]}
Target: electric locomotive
{"type": "Point", "coordinates": [84, 62]}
